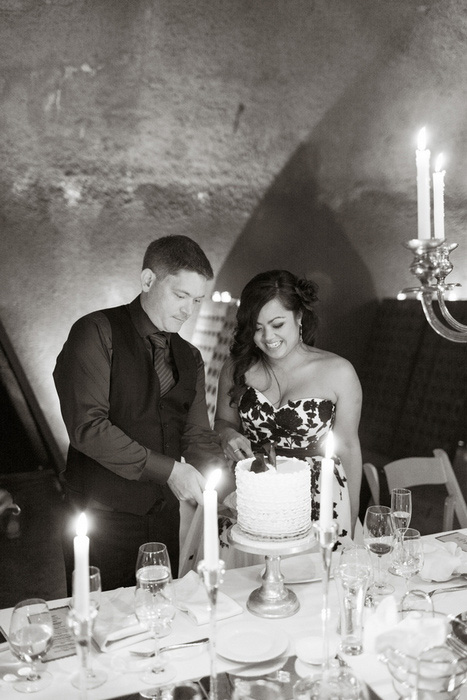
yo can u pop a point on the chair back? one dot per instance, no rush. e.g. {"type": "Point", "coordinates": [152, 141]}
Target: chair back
{"type": "Point", "coordinates": [418, 471]}
{"type": "Point", "coordinates": [372, 477]}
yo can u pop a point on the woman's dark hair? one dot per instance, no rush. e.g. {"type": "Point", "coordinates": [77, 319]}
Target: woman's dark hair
{"type": "Point", "coordinates": [297, 295]}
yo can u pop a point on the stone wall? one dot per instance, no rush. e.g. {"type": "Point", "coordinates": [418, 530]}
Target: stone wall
{"type": "Point", "coordinates": [277, 133]}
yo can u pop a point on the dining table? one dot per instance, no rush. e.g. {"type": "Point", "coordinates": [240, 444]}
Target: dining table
{"type": "Point", "coordinates": [192, 663]}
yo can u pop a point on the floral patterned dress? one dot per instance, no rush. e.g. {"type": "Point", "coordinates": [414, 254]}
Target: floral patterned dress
{"type": "Point", "coordinates": [298, 429]}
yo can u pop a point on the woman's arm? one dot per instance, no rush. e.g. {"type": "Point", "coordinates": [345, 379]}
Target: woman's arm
{"type": "Point", "coordinates": [227, 422]}
{"type": "Point", "coordinates": [347, 443]}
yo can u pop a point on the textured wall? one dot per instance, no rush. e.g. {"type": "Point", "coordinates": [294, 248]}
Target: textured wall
{"type": "Point", "coordinates": [278, 133]}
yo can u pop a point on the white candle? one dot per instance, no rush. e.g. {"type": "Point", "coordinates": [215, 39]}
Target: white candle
{"type": "Point", "coordinates": [438, 197]}
{"type": "Point", "coordinates": [81, 573]}
{"type": "Point", "coordinates": [326, 506]}
{"type": "Point", "coordinates": [211, 536]}
{"type": "Point", "coordinates": [422, 159]}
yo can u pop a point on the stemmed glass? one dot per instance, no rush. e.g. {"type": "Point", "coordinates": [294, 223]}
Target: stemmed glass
{"type": "Point", "coordinates": [31, 635]}
{"type": "Point", "coordinates": [378, 536]}
{"type": "Point", "coordinates": [154, 607]}
{"type": "Point", "coordinates": [407, 554]}
{"type": "Point", "coordinates": [401, 509]}
{"type": "Point", "coordinates": [93, 678]}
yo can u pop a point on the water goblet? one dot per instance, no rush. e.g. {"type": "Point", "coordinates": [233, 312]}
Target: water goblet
{"type": "Point", "coordinates": [93, 678]}
{"type": "Point", "coordinates": [378, 536]}
{"type": "Point", "coordinates": [154, 606]}
{"type": "Point", "coordinates": [407, 554]}
{"type": "Point", "coordinates": [30, 637]}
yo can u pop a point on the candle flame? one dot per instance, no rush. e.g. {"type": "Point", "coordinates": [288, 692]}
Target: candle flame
{"type": "Point", "coordinates": [439, 162]}
{"type": "Point", "coordinates": [213, 478]}
{"type": "Point", "coordinates": [329, 445]}
{"type": "Point", "coordinates": [421, 141]}
{"type": "Point", "coordinates": [81, 525]}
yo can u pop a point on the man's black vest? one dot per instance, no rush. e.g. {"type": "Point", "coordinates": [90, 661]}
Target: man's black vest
{"type": "Point", "coordinates": [137, 408]}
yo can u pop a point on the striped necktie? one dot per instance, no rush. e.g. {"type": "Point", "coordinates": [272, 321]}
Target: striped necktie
{"type": "Point", "coordinates": [161, 361]}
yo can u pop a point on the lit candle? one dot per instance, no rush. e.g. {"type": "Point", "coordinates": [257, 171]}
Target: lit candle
{"type": "Point", "coordinates": [211, 536]}
{"type": "Point", "coordinates": [81, 573]}
{"type": "Point", "coordinates": [438, 197]}
{"type": "Point", "coordinates": [422, 159]}
{"type": "Point", "coordinates": [326, 506]}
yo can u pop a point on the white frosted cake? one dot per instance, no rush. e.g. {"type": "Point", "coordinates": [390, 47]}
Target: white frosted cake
{"type": "Point", "coordinates": [274, 505]}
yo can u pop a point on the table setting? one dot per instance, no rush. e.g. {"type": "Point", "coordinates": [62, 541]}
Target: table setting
{"type": "Point", "coordinates": [345, 639]}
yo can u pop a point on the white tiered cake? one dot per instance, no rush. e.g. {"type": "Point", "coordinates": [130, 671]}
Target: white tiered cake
{"type": "Point", "coordinates": [274, 505]}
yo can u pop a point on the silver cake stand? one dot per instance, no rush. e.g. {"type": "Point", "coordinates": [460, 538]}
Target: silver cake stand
{"type": "Point", "coordinates": [272, 599]}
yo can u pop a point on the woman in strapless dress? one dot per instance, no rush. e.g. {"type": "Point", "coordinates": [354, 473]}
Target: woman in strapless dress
{"type": "Point", "coordinates": [278, 387]}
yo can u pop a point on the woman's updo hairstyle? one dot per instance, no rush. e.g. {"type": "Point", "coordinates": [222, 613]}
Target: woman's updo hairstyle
{"type": "Point", "coordinates": [296, 294]}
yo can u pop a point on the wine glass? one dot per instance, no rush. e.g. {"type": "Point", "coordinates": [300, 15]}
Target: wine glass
{"type": "Point", "coordinates": [154, 606]}
{"type": "Point", "coordinates": [401, 507]}
{"type": "Point", "coordinates": [31, 634]}
{"type": "Point", "coordinates": [93, 678]}
{"type": "Point", "coordinates": [378, 536]}
{"type": "Point", "coordinates": [407, 554]}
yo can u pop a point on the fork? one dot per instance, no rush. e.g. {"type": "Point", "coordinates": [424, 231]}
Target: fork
{"type": "Point", "coordinates": [170, 647]}
{"type": "Point", "coordinates": [445, 590]}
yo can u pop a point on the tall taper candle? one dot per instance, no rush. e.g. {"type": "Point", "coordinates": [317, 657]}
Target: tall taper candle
{"type": "Point", "coordinates": [81, 575]}
{"type": "Point", "coordinates": [326, 506]}
{"type": "Point", "coordinates": [211, 533]}
{"type": "Point", "coordinates": [422, 159]}
{"type": "Point", "coordinates": [438, 197]}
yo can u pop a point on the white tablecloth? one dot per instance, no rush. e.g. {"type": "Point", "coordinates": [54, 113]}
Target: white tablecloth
{"type": "Point", "coordinates": [194, 663]}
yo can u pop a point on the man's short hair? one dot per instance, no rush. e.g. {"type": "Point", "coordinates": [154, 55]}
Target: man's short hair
{"type": "Point", "coordinates": [170, 254]}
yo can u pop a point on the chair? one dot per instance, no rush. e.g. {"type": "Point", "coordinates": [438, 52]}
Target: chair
{"type": "Point", "coordinates": [372, 477]}
{"type": "Point", "coordinates": [418, 471]}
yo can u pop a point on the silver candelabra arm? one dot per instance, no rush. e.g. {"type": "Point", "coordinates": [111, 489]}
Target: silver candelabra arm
{"type": "Point", "coordinates": [431, 265]}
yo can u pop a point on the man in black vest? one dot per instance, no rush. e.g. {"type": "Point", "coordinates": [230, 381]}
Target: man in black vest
{"type": "Point", "coordinates": [132, 396]}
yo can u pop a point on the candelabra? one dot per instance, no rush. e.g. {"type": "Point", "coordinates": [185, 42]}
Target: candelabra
{"type": "Point", "coordinates": [431, 265]}
{"type": "Point", "coordinates": [212, 579]}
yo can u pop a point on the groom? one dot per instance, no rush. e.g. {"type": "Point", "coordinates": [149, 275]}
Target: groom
{"type": "Point", "coordinates": [132, 396]}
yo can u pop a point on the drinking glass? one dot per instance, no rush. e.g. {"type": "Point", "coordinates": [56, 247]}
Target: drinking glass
{"type": "Point", "coordinates": [401, 507]}
{"type": "Point", "coordinates": [407, 554]}
{"type": "Point", "coordinates": [31, 635]}
{"type": "Point", "coordinates": [378, 536]}
{"type": "Point", "coordinates": [154, 605]}
{"type": "Point", "coordinates": [352, 577]}
{"type": "Point", "coordinates": [93, 678]}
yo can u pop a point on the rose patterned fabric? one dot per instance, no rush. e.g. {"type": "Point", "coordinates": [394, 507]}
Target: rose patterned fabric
{"type": "Point", "coordinates": [298, 429]}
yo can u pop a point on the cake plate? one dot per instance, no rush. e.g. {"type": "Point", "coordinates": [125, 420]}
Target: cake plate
{"type": "Point", "coordinates": [273, 599]}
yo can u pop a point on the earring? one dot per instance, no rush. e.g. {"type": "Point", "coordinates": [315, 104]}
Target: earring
{"type": "Point", "coordinates": [300, 333]}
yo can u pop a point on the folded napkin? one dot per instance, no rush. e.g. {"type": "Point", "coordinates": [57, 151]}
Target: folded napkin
{"type": "Point", "coordinates": [192, 598]}
{"type": "Point", "coordinates": [442, 560]}
{"type": "Point", "coordinates": [385, 628]}
{"type": "Point", "coordinates": [116, 625]}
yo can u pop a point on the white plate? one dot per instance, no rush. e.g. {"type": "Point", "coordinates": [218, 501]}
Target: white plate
{"type": "Point", "coordinates": [302, 568]}
{"type": "Point", "coordinates": [261, 670]}
{"type": "Point", "coordinates": [249, 643]}
{"type": "Point", "coordinates": [309, 650]}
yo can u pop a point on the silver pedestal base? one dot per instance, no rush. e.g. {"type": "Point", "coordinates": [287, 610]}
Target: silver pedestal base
{"type": "Point", "coordinates": [272, 599]}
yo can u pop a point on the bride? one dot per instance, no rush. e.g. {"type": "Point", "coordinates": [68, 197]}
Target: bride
{"type": "Point", "coordinates": [276, 386]}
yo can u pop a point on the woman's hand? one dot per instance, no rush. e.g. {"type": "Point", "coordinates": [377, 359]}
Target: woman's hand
{"type": "Point", "coordinates": [235, 445]}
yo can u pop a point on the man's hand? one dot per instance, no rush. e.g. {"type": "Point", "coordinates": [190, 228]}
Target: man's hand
{"type": "Point", "coordinates": [186, 483]}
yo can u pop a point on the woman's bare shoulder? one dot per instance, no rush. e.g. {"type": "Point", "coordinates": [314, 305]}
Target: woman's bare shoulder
{"type": "Point", "coordinates": [331, 361]}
